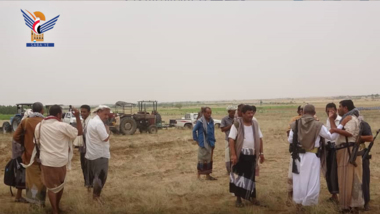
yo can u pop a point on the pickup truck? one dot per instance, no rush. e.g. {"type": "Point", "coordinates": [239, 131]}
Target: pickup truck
{"type": "Point", "coordinates": [69, 118]}
{"type": "Point", "coordinates": [190, 119]}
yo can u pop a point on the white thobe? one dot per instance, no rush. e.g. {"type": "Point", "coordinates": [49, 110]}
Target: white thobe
{"type": "Point", "coordinates": [306, 184]}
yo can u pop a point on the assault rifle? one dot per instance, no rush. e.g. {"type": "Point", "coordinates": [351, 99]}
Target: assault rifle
{"type": "Point", "coordinates": [368, 150]}
{"type": "Point", "coordinates": [296, 150]}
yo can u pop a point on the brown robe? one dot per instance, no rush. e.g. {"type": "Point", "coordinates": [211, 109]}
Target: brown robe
{"type": "Point", "coordinates": [29, 125]}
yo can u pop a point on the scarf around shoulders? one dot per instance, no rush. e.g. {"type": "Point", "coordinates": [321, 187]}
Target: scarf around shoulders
{"type": "Point", "coordinates": [240, 136]}
{"type": "Point", "coordinates": [353, 112]}
{"type": "Point", "coordinates": [308, 131]}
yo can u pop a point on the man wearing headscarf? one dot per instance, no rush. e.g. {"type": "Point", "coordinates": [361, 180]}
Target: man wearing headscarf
{"type": "Point", "coordinates": [98, 151]}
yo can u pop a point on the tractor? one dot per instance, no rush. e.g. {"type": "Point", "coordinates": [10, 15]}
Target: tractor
{"type": "Point", "coordinates": [127, 123]}
{"type": "Point", "coordinates": [123, 112]}
{"type": "Point", "coordinates": [15, 120]}
{"type": "Point", "coordinates": [147, 122]}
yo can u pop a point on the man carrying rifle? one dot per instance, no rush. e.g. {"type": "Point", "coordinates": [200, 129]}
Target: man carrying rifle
{"type": "Point", "coordinates": [305, 138]}
{"type": "Point", "coordinates": [366, 136]}
{"type": "Point", "coordinates": [349, 164]}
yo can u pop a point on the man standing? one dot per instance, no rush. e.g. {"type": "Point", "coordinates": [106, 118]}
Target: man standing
{"type": "Point", "coordinates": [349, 176]}
{"type": "Point", "coordinates": [98, 151]}
{"type": "Point", "coordinates": [35, 190]}
{"type": "Point", "coordinates": [85, 111]}
{"type": "Point", "coordinates": [331, 164]}
{"type": "Point", "coordinates": [204, 135]}
{"type": "Point", "coordinates": [245, 149]}
{"type": "Point", "coordinates": [225, 126]}
{"type": "Point", "coordinates": [238, 112]}
{"type": "Point", "coordinates": [55, 139]}
{"type": "Point", "coordinates": [366, 136]}
{"type": "Point", "coordinates": [290, 173]}
{"type": "Point", "coordinates": [306, 133]}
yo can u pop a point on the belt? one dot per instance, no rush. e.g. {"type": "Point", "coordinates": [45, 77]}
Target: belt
{"type": "Point", "coordinates": [315, 150]}
{"type": "Point", "coordinates": [344, 145]}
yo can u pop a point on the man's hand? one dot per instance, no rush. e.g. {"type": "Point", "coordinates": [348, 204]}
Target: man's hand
{"type": "Point", "coordinates": [76, 112]}
{"type": "Point", "coordinates": [233, 159]}
{"type": "Point", "coordinates": [107, 129]}
{"type": "Point", "coordinates": [262, 158]}
{"type": "Point", "coordinates": [345, 120]}
{"type": "Point", "coordinates": [332, 114]}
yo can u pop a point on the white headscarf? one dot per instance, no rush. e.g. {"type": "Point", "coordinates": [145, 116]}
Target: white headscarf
{"type": "Point", "coordinates": [231, 108]}
{"type": "Point", "coordinates": [100, 107]}
{"type": "Point", "coordinates": [27, 113]}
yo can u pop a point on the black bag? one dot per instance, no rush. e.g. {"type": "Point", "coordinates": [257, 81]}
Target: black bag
{"type": "Point", "coordinates": [14, 174]}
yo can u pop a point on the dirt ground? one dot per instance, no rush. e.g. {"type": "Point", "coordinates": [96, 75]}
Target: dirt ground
{"type": "Point", "coordinates": [157, 174]}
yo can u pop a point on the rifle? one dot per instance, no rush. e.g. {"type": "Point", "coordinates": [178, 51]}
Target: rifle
{"type": "Point", "coordinates": [355, 149]}
{"type": "Point", "coordinates": [368, 150]}
{"type": "Point", "coordinates": [296, 150]}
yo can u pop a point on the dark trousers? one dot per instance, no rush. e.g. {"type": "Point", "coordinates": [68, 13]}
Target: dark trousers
{"type": "Point", "coordinates": [366, 180]}
{"type": "Point", "coordinates": [97, 174]}
{"type": "Point", "coordinates": [83, 164]}
{"type": "Point", "coordinates": [332, 171]}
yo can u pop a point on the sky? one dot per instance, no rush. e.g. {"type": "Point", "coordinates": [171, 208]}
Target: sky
{"type": "Point", "coordinates": [189, 51]}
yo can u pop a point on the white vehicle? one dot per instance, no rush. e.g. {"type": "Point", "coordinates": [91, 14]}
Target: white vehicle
{"type": "Point", "coordinates": [69, 118]}
{"type": "Point", "coordinates": [190, 119]}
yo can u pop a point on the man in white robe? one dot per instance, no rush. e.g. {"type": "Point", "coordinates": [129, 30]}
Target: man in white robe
{"type": "Point", "coordinates": [306, 183]}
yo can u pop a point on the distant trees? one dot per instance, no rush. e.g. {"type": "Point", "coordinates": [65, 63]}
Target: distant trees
{"type": "Point", "coordinates": [8, 109]}
{"type": "Point", "coordinates": [178, 105]}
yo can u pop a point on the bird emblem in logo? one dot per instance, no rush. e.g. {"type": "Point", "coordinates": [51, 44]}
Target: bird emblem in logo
{"type": "Point", "coordinates": [34, 22]}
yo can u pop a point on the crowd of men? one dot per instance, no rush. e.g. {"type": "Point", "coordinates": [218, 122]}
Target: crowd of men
{"type": "Point", "coordinates": [243, 149]}
{"type": "Point", "coordinates": [48, 150]}
{"type": "Point", "coordinates": [336, 149]}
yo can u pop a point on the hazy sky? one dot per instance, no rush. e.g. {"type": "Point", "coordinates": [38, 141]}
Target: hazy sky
{"type": "Point", "coordinates": [177, 51]}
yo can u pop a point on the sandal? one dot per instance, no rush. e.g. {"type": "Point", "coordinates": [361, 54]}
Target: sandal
{"type": "Point", "coordinates": [21, 200]}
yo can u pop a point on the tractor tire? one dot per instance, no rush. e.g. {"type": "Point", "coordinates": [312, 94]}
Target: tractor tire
{"type": "Point", "coordinates": [217, 125]}
{"type": "Point", "coordinates": [188, 126]}
{"type": "Point", "coordinates": [152, 129]}
{"type": "Point", "coordinates": [6, 127]}
{"type": "Point", "coordinates": [128, 126]}
{"type": "Point", "coordinates": [16, 121]}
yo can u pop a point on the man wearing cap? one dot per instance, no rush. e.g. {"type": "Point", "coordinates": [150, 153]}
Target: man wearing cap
{"type": "Point", "coordinates": [225, 126]}
{"type": "Point", "coordinates": [98, 150]}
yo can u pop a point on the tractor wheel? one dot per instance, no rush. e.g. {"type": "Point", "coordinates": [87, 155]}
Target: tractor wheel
{"type": "Point", "coordinates": [217, 126]}
{"type": "Point", "coordinates": [152, 129]}
{"type": "Point", "coordinates": [16, 121]}
{"type": "Point", "coordinates": [188, 126]}
{"type": "Point", "coordinates": [128, 126]}
{"type": "Point", "coordinates": [6, 127]}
